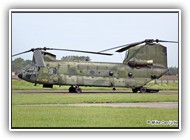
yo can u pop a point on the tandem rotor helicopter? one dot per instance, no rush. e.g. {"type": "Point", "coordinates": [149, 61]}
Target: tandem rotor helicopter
{"type": "Point", "coordinates": [144, 61]}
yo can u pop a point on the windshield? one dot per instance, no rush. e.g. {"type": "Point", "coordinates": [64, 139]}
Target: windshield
{"type": "Point", "coordinates": [30, 68]}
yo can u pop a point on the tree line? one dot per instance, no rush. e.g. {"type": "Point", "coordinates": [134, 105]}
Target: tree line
{"type": "Point", "coordinates": [172, 71]}
{"type": "Point", "coordinates": [76, 58]}
{"type": "Point", "coordinates": [19, 64]}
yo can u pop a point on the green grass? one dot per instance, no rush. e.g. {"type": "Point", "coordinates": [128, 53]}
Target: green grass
{"type": "Point", "coordinates": [89, 116]}
{"type": "Point", "coordinates": [46, 98]}
{"type": "Point", "coordinates": [170, 86]}
{"type": "Point", "coordinates": [23, 85]}
{"type": "Point", "coordinates": [65, 116]}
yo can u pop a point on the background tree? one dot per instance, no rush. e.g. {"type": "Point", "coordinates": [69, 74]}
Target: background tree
{"type": "Point", "coordinates": [172, 71]}
{"type": "Point", "coordinates": [19, 64]}
{"type": "Point", "coordinates": [76, 58]}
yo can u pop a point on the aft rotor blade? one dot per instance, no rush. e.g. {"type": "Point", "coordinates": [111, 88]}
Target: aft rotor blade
{"type": "Point", "coordinates": [79, 51]}
{"type": "Point", "coordinates": [126, 47]}
{"type": "Point", "coordinates": [157, 40]}
{"type": "Point", "coordinates": [111, 48]}
{"type": "Point", "coordinates": [122, 46]}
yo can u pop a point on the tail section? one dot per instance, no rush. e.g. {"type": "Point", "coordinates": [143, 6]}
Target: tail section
{"type": "Point", "coordinates": [147, 55]}
{"type": "Point", "coordinates": [152, 56]}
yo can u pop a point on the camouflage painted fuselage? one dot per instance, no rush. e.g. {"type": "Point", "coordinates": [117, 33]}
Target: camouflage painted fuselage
{"type": "Point", "coordinates": [143, 64]}
{"type": "Point", "coordinates": [93, 74]}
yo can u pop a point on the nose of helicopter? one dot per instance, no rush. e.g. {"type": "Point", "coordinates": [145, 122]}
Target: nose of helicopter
{"type": "Point", "coordinates": [20, 75]}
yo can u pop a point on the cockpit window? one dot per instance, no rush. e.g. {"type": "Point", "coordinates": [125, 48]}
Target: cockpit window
{"type": "Point", "coordinates": [30, 68]}
{"type": "Point", "coordinates": [52, 71]}
{"type": "Point", "coordinates": [38, 68]}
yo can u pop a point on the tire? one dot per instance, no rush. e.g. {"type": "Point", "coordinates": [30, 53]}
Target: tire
{"type": "Point", "coordinates": [78, 90]}
{"type": "Point", "coordinates": [72, 90]}
{"type": "Point", "coordinates": [134, 90]}
{"type": "Point", "coordinates": [142, 90]}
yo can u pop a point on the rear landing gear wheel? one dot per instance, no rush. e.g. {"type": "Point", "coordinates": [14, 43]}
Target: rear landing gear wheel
{"type": "Point", "coordinates": [142, 90]}
{"type": "Point", "coordinates": [135, 90]}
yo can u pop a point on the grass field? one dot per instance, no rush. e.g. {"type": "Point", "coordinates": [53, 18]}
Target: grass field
{"type": "Point", "coordinates": [64, 116]}
{"type": "Point", "coordinates": [68, 116]}
{"type": "Point", "coordinates": [46, 98]}
{"type": "Point", "coordinates": [89, 116]}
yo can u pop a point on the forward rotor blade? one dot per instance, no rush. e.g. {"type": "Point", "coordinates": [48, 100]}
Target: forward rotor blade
{"type": "Point", "coordinates": [21, 53]}
{"type": "Point", "coordinates": [79, 51]}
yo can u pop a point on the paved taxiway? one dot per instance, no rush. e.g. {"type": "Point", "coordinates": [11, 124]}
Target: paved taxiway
{"type": "Point", "coordinates": [89, 92]}
{"type": "Point", "coordinates": [147, 105]}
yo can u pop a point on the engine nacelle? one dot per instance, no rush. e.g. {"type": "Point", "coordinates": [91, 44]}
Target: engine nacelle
{"type": "Point", "coordinates": [136, 63]}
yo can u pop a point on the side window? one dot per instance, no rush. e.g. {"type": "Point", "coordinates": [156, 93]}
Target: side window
{"type": "Point", "coordinates": [31, 68]}
{"type": "Point", "coordinates": [52, 71]}
{"type": "Point", "coordinates": [92, 72]}
{"type": "Point", "coordinates": [73, 72]}
{"type": "Point", "coordinates": [38, 68]}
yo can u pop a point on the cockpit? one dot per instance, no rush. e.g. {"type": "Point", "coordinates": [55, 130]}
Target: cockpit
{"type": "Point", "coordinates": [32, 69]}
{"type": "Point", "coordinates": [30, 73]}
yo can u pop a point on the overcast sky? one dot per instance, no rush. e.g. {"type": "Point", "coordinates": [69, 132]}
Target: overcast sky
{"type": "Point", "coordinates": [92, 32]}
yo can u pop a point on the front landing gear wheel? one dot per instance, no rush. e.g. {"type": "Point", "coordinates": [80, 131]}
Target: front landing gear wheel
{"type": "Point", "coordinates": [142, 90]}
{"type": "Point", "coordinates": [72, 89]}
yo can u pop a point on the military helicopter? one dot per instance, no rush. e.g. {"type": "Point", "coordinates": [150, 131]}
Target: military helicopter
{"type": "Point", "coordinates": [144, 61]}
